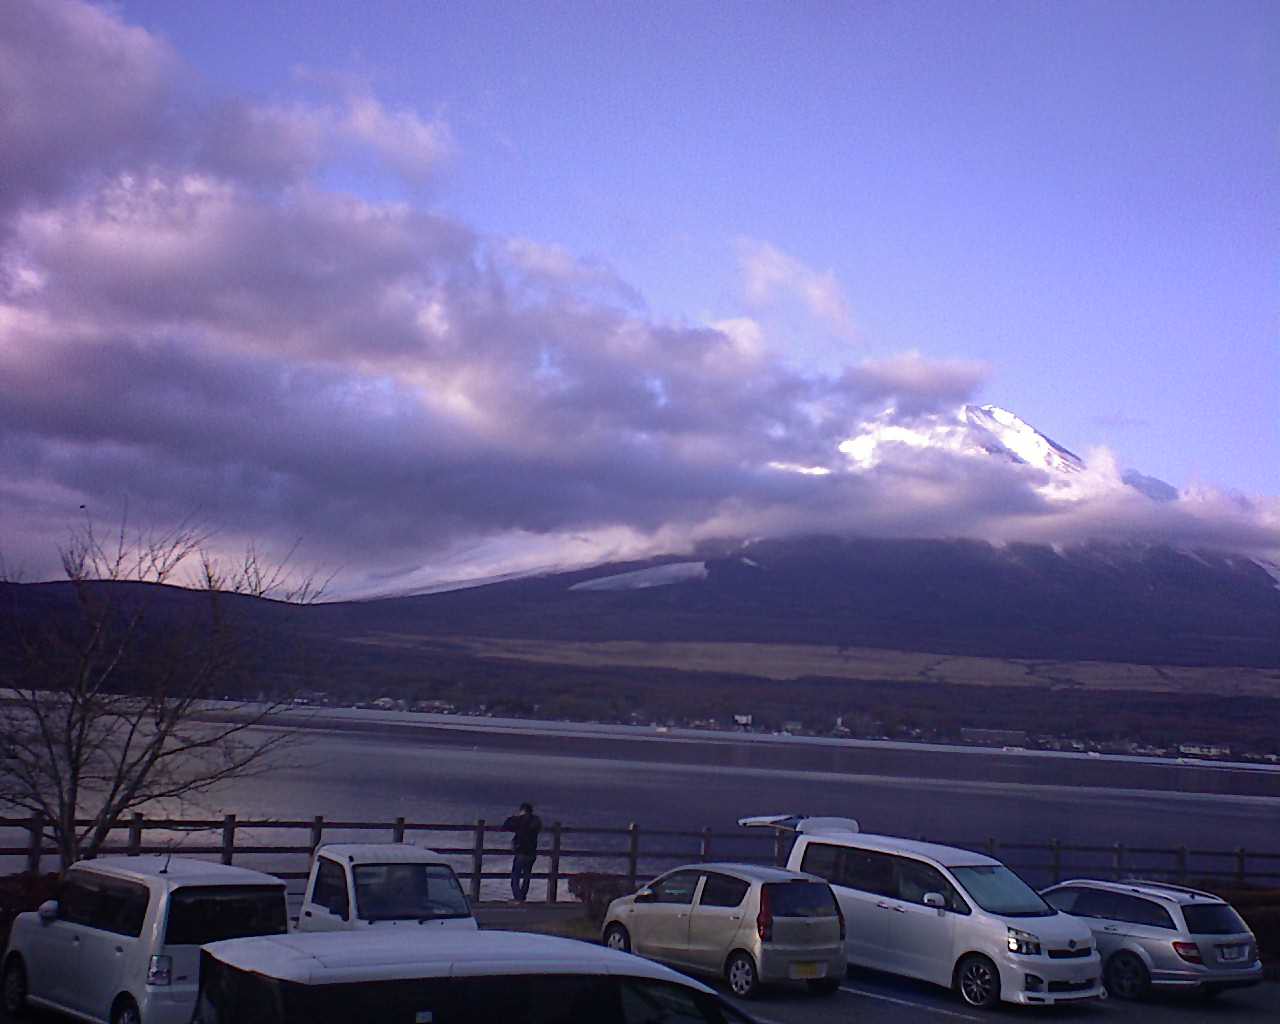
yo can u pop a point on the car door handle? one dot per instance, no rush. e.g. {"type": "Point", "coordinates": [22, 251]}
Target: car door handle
{"type": "Point", "coordinates": [306, 913]}
{"type": "Point", "coordinates": [119, 949]}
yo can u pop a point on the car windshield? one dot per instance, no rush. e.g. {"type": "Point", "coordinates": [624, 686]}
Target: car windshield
{"type": "Point", "coordinates": [389, 892]}
{"type": "Point", "coordinates": [1213, 919]}
{"type": "Point", "coordinates": [998, 890]}
{"type": "Point", "coordinates": [200, 914]}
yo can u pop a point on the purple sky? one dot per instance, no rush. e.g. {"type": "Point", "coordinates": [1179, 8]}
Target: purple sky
{"type": "Point", "coordinates": [447, 289]}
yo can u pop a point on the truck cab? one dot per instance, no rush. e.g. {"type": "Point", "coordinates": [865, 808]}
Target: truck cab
{"type": "Point", "coordinates": [382, 885]}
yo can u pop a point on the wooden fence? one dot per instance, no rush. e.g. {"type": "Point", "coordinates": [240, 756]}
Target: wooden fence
{"type": "Point", "coordinates": [631, 852]}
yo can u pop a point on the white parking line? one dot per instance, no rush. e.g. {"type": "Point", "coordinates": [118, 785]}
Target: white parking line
{"type": "Point", "coordinates": [907, 1002]}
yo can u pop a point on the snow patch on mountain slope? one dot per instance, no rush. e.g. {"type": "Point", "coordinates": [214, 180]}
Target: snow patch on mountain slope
{"type": "Point", "coordinates": [641, 579]}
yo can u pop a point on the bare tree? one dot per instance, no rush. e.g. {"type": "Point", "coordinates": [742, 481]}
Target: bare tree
{"type": "Point", "coordinates": [109, 678]}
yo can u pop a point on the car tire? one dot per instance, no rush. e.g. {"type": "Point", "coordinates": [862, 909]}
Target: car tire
{"type": "Point", "coordinates": [125, 1012]}
{"type": "Point", "coordinates": [15, 987]}
{"type": "Point", "coordinates": [824, 986]}
{"type": "Point", "coordinates": [740, 972]}
{"type": "Point", "coordinates": [1127, 976]}
{"type": "Point", "coordinates": [617, 937]}
{"type": "Point", "coordinates": [978, 981]}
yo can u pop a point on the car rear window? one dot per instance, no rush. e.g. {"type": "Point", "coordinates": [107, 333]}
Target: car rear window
{"type": "Point", "coordinates": [200, 914]}
{"type": "Point", "coordinates": [1213, 919]}
{"type": "Point", "coordinates": [801, 899]}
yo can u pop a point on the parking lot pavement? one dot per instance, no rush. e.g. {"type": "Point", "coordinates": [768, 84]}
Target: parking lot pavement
{"type": "Point", "coordinates": [868, 997]}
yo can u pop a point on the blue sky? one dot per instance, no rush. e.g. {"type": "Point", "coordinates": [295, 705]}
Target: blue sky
{"type": "Point", "coordinates": [1083, 195]}
{"type": "Point", "coordinates": [678, 243]}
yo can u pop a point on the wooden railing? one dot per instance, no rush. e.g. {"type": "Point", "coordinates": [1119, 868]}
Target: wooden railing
{"type": "Point", "coordinates": [631, 852]}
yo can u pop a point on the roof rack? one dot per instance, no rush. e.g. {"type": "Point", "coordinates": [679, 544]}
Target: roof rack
{"type": "Point", "coordinates": [800, 823]}
{"type": "Point", "coordinates": [1171, 887]}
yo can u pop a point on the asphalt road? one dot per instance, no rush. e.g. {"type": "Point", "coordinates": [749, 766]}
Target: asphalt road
{"type": "Point", "coordinates": [869, 997]}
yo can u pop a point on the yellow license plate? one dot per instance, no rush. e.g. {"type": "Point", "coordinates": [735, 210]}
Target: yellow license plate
{"type": "Point", "coordinates": [808, 970]}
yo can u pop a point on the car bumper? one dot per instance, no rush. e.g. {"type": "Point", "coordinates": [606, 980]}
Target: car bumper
{"type": "Point", "coordinates": [1191, 980]}
{"type": "Point", "coordinates": [802, 964]}
{"type": "Point", "coordinates": [1037, 981]}
{"type": "Point", "coordinates": [168, 1005]}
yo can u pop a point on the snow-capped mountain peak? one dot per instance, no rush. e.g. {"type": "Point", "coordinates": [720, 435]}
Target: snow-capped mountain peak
{"type": "Point", "coordinates": [1020, 439]}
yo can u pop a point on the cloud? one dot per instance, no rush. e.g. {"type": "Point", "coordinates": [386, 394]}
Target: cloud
{"type": "Point", "coordinates": [769, 275]}
{"type": "Point", "coordinates": [192, 320]}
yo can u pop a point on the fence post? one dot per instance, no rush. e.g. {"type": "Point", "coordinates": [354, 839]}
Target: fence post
{"type": "Point", "coordinates": [992, 846]}
{"type": "Point", "coordinates": [1240, 874]}
{"type": "Point", "coordinates": [397, 831]}
{"type": "Point", "coordinates": [1182, 863]}
{"type": "Point", "coordinates": [228, 837]}
{"type": "Point", "coordinates": [704, 847]}
{"type": "Point", "coordinates": [477, 861]}
{"type": "Point", "coordinates": [1117, 860]}
{"type": "Point", "coordinates": [633, 854]}
{"type": "Point", "coordinates": [1055, 852]}
{"type": "Point", "coordinates": [135, 834]}
{"type": "Point", "coordinates": [553, 875]}
{"type": "Point", "coordinates": [317, 832]}
{"type": "Point", "coordinates": [35, 843]}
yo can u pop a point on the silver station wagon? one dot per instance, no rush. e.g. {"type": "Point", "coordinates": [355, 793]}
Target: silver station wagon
{"type": "Point", "coordinates": [1158, 935]}
{"type": "Point", "coordinates": [752, 925]}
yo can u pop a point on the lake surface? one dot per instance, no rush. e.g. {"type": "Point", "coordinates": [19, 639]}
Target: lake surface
{"type": "Point", "coordinates": [367, 766]}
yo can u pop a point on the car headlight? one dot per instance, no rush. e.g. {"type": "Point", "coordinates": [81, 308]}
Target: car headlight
{"type": "Point", "coordinates": [1023, 942]}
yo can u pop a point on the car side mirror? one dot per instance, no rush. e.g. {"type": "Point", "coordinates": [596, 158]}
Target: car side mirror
{"type": "Point", "coordinates": [935, 899]}
{"type": "Point", "coordinates": [48, 911]}
{"type": "Point", "coordinates": [646, 895]}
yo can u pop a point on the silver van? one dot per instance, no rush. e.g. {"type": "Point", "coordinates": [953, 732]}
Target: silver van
{"type": "Point", "coordinates": [443, 976]}
{"type": "Point", "coordinates": [1159, 935]}
{"type": "Point", "coordinates": [945, 915]}
{"type": "Point", "coordinates": [121, 943]}
{"type": "Point", "coordinates": [752, 925]}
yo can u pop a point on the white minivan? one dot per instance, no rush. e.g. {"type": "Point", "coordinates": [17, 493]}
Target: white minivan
{"type": "Point", "coordinates": [945, 915]}
{"type": "Point", "coordinates": [121, 943]}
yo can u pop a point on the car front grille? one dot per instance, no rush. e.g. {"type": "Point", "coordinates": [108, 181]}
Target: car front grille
{"type": "Point", "coordinates": [1072, 986]}
{"type": "Point", "coordinates": [1070, 954]}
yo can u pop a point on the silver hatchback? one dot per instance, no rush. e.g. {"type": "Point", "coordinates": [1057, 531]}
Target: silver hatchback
{"type": "Point", "coordinates": [750, 924]}
{"type": "Point", "coordinates": [1154, 934]}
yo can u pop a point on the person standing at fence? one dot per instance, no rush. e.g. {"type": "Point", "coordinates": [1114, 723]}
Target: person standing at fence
{"type": "Point", "coordinates": [524, 845]}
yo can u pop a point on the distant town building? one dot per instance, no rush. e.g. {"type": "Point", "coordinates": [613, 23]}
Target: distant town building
{"type": "Point", "coordinates": [742, 721]}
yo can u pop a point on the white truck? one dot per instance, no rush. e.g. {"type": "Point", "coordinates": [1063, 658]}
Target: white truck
{"type": "Point", "coordinates": [382, 885]}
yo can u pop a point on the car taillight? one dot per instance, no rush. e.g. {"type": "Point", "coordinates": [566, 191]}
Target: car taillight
{"type": "Point", "coordinates": [764, 919]}
{"type": "Point", "coordinates": [840, 914]}
{"type": "Point", "coordinates": [160, 970]}
{"type": "Point", "coordinates": [1189, 952]}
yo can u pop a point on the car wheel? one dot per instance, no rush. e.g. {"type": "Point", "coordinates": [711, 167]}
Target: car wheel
{"type": "Point", "coordinates": [740, 972]}
{"type": "Point", "coordinates": [125, 1012]}
{"type": "Point", "coordinates": [616, 937]}
{"type": "Point", "coordinates": [978, 981]}
{"type": "Point", "coordinates": [824, 986]}
{"type": "Point", "coordinates": [1127, 977]}
{"type": "Point", "coordinates": [15, 987]}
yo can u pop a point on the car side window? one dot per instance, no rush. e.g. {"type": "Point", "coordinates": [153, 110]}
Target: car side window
{"type": "Point", "coordinates": [676, 888]}
{"type": "Point", "coordinates": [823, 860]}
{"type": "Point", "coordinates": [1096, 903]}
{"type": "Point", "coordinates": [1063, 899]}
{"type": "Point", "coordinates": [722, 891]}
{"type": "Point", "coordinates": [868, 871]}
{"type": "Point", "coordinates": [331, 888]}
{"type": "Point", "coordinates": [122, 907]}
{"type": "Point", "coordinates": [915, 878]}
{"type": "Point", "coordinates": [1136, 910]}
{"type": "Point", "coordinates": [78, 898]}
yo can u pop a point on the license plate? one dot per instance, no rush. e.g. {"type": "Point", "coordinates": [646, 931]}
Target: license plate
{"type": "Point", "coordinates": [808, 970]}
{"type": "Point", "coordinates": [1231, 952]}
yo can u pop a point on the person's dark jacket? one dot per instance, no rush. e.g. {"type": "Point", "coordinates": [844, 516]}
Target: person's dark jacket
{"type": "Point", "coordinates": [526, 828]}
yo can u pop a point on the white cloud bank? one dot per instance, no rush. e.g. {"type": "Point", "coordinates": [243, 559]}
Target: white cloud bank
{"type": "Point", "coordinates": [190, 319]}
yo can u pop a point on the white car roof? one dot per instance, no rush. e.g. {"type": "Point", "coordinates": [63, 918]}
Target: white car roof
{"type": "Point", "coordinates": [947, 856]}
{"type": "Point", "coordinates": [334, 957]}
{"type": "Point", "coordinates": [751, 872]}
{"type": "Point", "coordinates": [381, 853]}
{"type": "Point", "coordinates": [172, 872]}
